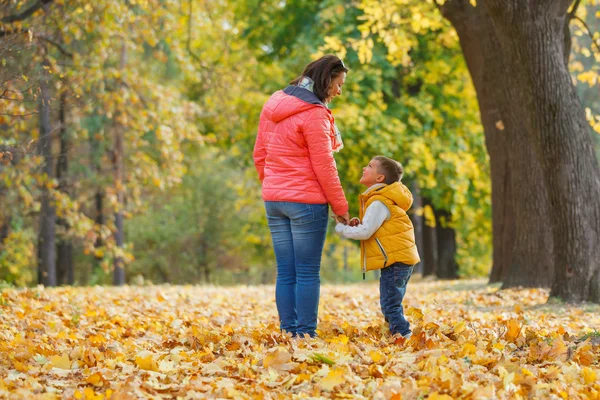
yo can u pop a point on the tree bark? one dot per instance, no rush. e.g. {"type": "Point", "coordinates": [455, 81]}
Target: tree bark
{"type": "Point", "coordinates": [430, 248]}
{"type": "Point", "coordinates": [522, 245]}
{"type": "Point", "coordinates": [47, 236]}
{"type": "Point", "coordinates": [446, 244]}
{"type": "Point", "coordinates": [64, 250]}
{"type": "Point", "coordinates": [118, 162]}
{"type": "Point", "coordinates": [531, 37]}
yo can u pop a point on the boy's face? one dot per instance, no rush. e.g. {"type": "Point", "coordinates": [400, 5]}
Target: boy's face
{"type": "Point", "coordinates": [371, 174]}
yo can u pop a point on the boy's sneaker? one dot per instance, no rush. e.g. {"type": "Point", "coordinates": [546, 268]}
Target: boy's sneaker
{"type": "Point", "coordinates": [400, 339]}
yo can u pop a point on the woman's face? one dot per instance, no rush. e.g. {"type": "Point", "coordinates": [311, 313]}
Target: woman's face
{"type": "Point", "coordinates": [335, 89]}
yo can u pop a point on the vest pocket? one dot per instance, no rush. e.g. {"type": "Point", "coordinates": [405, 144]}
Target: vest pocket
{"type": "Point", "coordinates": [385, 257]}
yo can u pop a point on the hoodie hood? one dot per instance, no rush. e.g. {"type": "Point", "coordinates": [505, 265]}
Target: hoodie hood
{"type": "Point", "coordinates": [396, 192]}
{"type": "Point", "coordinates": [290, 101]}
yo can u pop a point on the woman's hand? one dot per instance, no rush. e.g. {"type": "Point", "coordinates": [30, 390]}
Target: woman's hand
{"type": "Point", "coordinates": [354, 222]}
{"type": "Point", "coordinates": [344, 219]}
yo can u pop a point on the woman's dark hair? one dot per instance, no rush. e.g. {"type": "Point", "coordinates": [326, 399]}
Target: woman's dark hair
{"type": "Point", "coordinates": [322, 72]}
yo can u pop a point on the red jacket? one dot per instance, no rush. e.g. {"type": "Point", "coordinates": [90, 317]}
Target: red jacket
{"type": "Point", "coordinates": [293, 151]}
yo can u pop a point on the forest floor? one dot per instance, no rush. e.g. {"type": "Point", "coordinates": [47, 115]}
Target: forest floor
{"type": "Point", "coordinates": [470, 341]}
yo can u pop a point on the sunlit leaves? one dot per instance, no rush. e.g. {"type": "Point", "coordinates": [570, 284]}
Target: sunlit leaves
{"type": "Point", "coordinates": [469, 341]}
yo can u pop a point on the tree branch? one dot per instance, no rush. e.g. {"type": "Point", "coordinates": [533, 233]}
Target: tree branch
{"type": "Point", "coordinates": [57, 45]}
{"type": "Point", "coordinates": [189, 38]}
{"type": "Point", "coordinates": [26, 13]}
{"type": "Point", "coordinates": [589, 32]}
{"type": "Point", "coordinates": [571, 14]}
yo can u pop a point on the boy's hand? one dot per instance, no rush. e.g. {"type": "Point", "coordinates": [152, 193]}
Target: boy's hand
{"type": "Point", "coordinates": [354, 222]}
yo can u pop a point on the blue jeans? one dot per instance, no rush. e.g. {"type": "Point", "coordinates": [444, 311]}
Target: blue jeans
{"type": "Point", "coordinates": [392, 288]}
{"type": "Point", "coordinates": [298, 232]}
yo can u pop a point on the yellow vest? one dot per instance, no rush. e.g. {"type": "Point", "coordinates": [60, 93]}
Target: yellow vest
{"type": "Point", "coordinates": [394, 241]}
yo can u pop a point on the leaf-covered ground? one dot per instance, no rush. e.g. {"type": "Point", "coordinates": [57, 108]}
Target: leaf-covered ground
{"type": "Point", "coordinates": [470, 341]}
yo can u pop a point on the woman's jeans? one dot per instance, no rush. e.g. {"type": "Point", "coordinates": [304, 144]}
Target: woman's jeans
{"type": "Point", "coordinates": [298, 232]}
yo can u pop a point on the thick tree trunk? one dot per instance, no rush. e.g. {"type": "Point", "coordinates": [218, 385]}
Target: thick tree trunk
{"type": "Point", "coordinates": [430, 247]}
{"type": "Point", "coordinates": [416, 216]}
{"type": "Point", "coordinates": [522, 245]}
{"type": "Point", "coordinates": [119, 268]}
{"type": "Point", "coordinates": [446, 244]}
{"type": "Point", "coordinates": [531, 36]}
{"type": "Point", "coordinates": [47, 237]}
{"type": "Point", "coordinates": [64, 250]}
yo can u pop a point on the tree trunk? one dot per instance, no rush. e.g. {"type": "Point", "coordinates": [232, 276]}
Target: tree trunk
{"type": "Point", "coordinates": [118, 162]}
{"type": "Point", "coordinates": [47, 237]}
{"type": "Point", "coordinates": [64, 250]}
{"type": "Point", "coordinates": [416, 216]}
{"type": "Point", "coordinates": [532, 43]}
{"type": "Point", "coordinates": [522, 245]}
{"type": "Point", "coordinates": [446, 244]}
{"type": "Point", "coordinates": [96, 152]}
{"type": "Point", "coordinates": [204, 260]}
{"type": "Point", "coordinates": [430, 248]}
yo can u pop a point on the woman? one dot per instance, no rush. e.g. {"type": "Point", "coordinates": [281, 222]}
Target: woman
{"type": "Point", "coordinates": [293, 157]}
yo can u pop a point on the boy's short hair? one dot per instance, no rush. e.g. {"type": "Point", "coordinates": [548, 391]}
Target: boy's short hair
{"type": "Point", "coordinates": [391, 169]}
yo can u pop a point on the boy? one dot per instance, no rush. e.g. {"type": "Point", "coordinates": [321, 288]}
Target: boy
{"type": "Point", "coordinates": [387, 236]}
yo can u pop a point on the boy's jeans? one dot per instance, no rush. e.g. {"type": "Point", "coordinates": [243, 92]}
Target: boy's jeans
{"type": "Point", "coordinates": [298, 232]}
{"type": "Point", "coordinates": [392, 287]}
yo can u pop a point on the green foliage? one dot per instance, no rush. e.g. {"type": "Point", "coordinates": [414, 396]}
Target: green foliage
{"type": "Point", "coordinates": [185, 87]}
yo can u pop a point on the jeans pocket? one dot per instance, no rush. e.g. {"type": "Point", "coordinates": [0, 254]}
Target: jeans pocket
{"type": "Point", "coordinates": [320, 211]}
{"type": "Point", "coordinates": [299, 213]}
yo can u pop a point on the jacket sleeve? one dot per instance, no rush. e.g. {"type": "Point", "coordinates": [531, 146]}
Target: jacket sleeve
{"type": "Point", "coordinates": [260, 151]}
{"type": "Point", "coordinates": [317, 130]}
{"type": "Point", "coordinates": [375, 215]}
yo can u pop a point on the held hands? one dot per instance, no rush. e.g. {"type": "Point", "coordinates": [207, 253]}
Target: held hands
{"type": "Point", "coordinates": [342, 219]}
{"type": "Point", "coordinates": [345, 219]}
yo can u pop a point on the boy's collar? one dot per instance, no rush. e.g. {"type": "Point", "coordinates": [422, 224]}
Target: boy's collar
{"type": "Point", "coordinates": [373, 187]}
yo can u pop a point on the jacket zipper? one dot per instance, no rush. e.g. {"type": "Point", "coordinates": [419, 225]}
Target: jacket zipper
{"type": "Point", "coordinates": [362, 244]}
{"type": "Point", "coordinates": [385, 257]}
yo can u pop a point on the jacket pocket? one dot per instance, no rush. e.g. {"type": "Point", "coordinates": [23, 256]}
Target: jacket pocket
{"type": "Point", "coordinates": [385, 257]}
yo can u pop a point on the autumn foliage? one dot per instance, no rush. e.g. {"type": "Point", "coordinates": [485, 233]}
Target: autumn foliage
{"type": "Point", "coordinates": [471, 341]}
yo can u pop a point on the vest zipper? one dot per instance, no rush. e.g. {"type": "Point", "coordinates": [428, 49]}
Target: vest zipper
{"type": "Point", "coordinates": [385, 257]}
{"type": "Point", "coordinates": [362, 244]}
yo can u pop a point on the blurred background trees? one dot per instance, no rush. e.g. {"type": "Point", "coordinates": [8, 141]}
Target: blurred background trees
{"type": "Point", "coordinates": [127, 131]}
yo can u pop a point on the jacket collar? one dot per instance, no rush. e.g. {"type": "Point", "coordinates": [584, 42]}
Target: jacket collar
{"type": "Point", "coordinates": [374, 187]}
{"type": "Point", "coordinates": [303, 94]}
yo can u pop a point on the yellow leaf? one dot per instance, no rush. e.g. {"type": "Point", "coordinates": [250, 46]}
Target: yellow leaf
{"type": "Point", "coordinates": [559, 350]}
{"type": "Point", "coordinates": [458, 328]}
{"type": "Point", "coordinates": [95, 379]}
{"type": "Point", "coordinates": [513, 330]}
{"type": "Point", "coordinates": [145, 360]}
{"type": "Point", "coordinates": [62, 362]}
{"type": "Point", "coordinates": [518, 308]}
{"type": "Point", "coordinates": [589, 375]}
{"type": "Point", "coordinates": [278, 358]}
{"type": "Point", "coordinates": [499, 346]}
{"type": "Point", "coordinates": [468, 348]}
{"type": "Point", "coordinates": [376, 356]}
{"type": "Point", "coordinates": [437, 396]}
{"type": "Point", "coordinates": [334, 377]}
{"type": "Point", "coordinates": [414, 313]}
